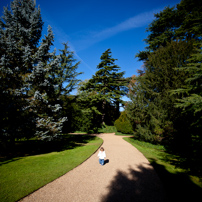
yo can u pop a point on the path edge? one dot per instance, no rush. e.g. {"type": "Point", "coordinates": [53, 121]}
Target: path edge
{"type": "Point", "coordinates": [96, 135]}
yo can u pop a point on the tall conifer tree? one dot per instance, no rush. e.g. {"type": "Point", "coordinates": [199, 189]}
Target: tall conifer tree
{"type": "Point", "coordinates": [65, 75]}
{"type": "Point", "coordinates": [20, 31]}
{"type": "Point", "coordinates": [32, 78]}
{"type": "Point", "coordinates": [169, 45]}
{"type": "Point", "coordinates": [108, 83]}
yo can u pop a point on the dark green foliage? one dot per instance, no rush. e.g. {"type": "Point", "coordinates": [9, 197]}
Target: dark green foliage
{"type": "Point", "coordinates": [191, 104]}
{"type": "Point", "coordinates": [18, 43]}
{"type": "Point", "coordinates": [102, 94]}
{"type": "Point", "coordinates": [72, 111]}
{"type": "Point", "coordinates": [66, 72]}
{"type": "Point", "coordinates": [143, 133]}
{"type": "Point", "coordinates": [181, 22]}
{"type": "Point", "coordinates": [123, 124]}
{"type": "Point", "coordinates": [90, 117]}
{"type": "Point", "coordinates": [152, 107]}
{"type": "Point", "coordinates": [165, 102]}
{"type": "Point", "coordinates": [33, 80]}
{"type": "Point", "coordinates": [108, 129]}
{"type": "Point", "coordinates": [193, 100]}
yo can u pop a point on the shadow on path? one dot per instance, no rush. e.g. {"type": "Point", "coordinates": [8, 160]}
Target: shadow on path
{"type": "Point", "coordinates": [106, 161]}
{"type": "Point", "coordinates": [141, 185]}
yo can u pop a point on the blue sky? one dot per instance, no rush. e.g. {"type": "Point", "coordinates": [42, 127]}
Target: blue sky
{"type": "Point", "coordinates": [93, 26]}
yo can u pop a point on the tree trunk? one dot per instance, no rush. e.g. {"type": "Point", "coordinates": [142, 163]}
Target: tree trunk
{"type": "Point", "coordinates": [117, 109]}
{"type": "Point", "coordinates": [103, 111]}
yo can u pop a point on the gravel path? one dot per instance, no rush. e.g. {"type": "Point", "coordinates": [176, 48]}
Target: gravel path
{"type": "Point", "coordinates": [127, 176]}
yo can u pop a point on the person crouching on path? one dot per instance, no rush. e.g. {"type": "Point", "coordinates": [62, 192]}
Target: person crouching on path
{"type": "Point", "coordinates": [102, 156]}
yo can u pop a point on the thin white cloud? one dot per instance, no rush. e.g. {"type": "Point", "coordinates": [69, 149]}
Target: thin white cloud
{"type": "Point", "coordinates": [82, 61]}
{"type": "Point", "coordinates": [131, 23]}
{"type": "Point", "coordinates": [93, 37]}
{"type": "Point", "coordinates": [134, 22]}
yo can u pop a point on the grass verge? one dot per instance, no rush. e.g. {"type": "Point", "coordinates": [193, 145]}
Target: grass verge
{"type": "Point", "coordinates": [21, 176]}
{"type": "Point", "coordinates": [179, 186]}
{"type": "Point", "coordinates": [112, 129]}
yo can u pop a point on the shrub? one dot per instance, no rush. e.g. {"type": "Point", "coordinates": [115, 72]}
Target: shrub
{"type": "Point", "coordinates": [144, 134]}
{"type": "Point", "coordinates": [123, 124]}
{"type": "Point", "coordinates": [107, 129]}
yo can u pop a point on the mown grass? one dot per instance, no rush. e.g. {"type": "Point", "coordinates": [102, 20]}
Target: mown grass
{"type": "Point", "coordinates": [111, 129]}
{"type": "Point", "coordinates": [178, 184]}
{"type": "Point", "coordinates": [107, 129]}
{"type": "Point", "coordinates": [21, 175]}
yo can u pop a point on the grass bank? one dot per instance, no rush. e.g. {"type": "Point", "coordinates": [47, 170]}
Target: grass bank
{"type": "Point", "coordinates": [111, 129]}
{"type": "Point", "coordinates": [178, 184]}
{"type": "Point", "coordinates": [21, 175]}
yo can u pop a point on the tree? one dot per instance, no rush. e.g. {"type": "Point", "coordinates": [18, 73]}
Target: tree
{"type": "Point", "coordinates": [64, 78]}
{"type": "Point", "coordinates": [166, 97]}
{"type": "Point", "coordinates": [152, 107]}
{"type": "Point", "coordinates": [65, 75]}
{"type": "Point", "coordinates": [191, 104]}
{"type": "Point", "coordinates": [181, 22]}
{"type": "Point", "coordinates": [89, 104]}
{"type": "Point", "coordinates": [123, 124]}
{"type": "Point", "coordinates": [107, 84]}
{"type": "Point", "coordinates": [42, 92]}
{"type": "Point", "coordinates": [33, 79]}
{"type": "Point", "coordinates": [193, 100]}
{"type": "Point", "coordinates": [20, 31]}
{"type": "Point", "coordinates": [169, 45]}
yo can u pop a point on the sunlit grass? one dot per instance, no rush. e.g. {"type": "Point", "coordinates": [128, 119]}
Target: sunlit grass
{"type": "Point", "coordinates": [179, 185]}
{"type": "Point", "coordinates": [23, 175]}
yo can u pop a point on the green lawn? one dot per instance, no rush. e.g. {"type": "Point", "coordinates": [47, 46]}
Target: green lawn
{"type": "Point", "coordinates": [179, 185]}
{"type": "Point", "coordinates": [112, 129]}
{"type": "Point", "coordinates": [20, 176]}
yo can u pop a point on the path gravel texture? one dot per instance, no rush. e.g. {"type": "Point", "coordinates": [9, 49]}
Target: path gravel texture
{"type": "Point", "coordinates": [127, 176]}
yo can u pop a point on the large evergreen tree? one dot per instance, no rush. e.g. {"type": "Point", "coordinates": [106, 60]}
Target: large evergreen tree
{"type": "Point", "coordinates": [192, 99]}
{"type": "Point", "coordinates": [65, 80]}
{"type": "Point", "coordinates": [42, 99]}
{"type": "Point", "coordinates": [20, 31]}
{"type": "Point", "coordinates": [65, 75]}
{"type": "Point", "coordinates": [169, 45]}
{"type": "Point", "coordinates": [33, 80]}
{"type": "Point", "coordinates": [191, 104]}
{"type": "Point", "coordinates": [154, 110]}
{"type": "Point", "coordinates": [180, 22]}
{"type": "Point", "coordinates": [108, 85]}
{"type": "Point", "coordinates": [163, 105]}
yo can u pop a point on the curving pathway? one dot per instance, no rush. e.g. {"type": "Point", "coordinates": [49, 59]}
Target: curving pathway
{"type": "Point", "coordinates": [127, 176]}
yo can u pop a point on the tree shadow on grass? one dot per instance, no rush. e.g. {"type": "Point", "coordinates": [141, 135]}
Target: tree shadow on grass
{"type": "Point", "coordinates": [141, 185]}
{"type": "Point", "coordinates": [178, 186]}
{"type": "Point", "coordinates": [36, 147]}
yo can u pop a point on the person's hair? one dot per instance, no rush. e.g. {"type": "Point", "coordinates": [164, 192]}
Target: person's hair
{"type": "Point", "coordinates": [102, 149]}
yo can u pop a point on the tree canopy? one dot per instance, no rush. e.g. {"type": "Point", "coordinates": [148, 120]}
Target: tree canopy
{"type": "Point", "coordinates": [165, 97]}
{"type": "Point", "coordinates": [107, 86]}
{"type": "Point", "coordinates": [32, 78]}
